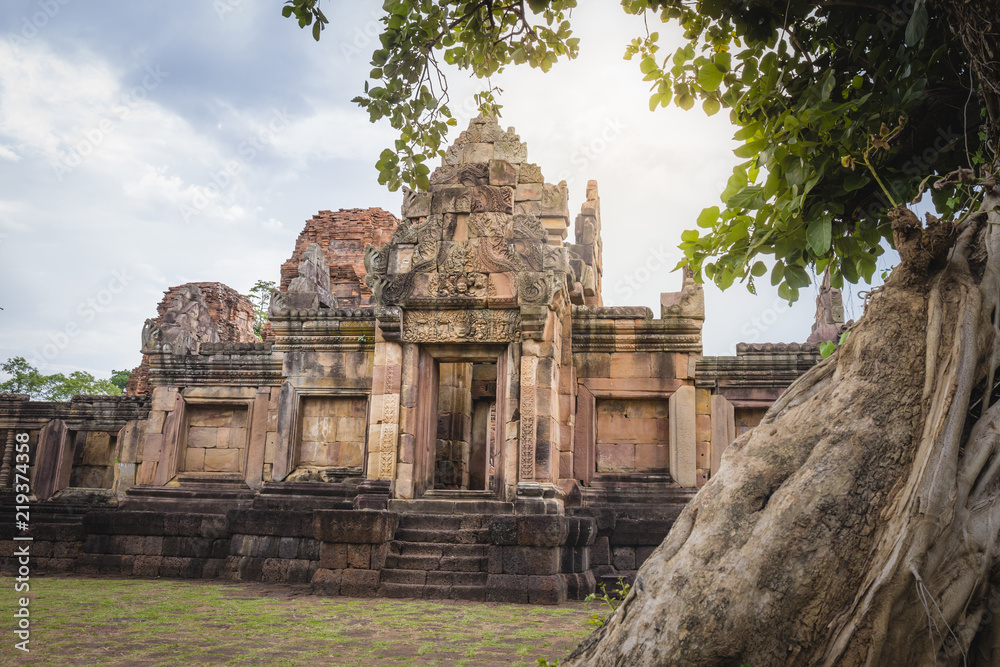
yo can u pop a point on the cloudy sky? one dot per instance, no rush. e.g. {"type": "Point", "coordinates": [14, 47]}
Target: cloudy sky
{"type": "Point", "coordinates": [120, 124]}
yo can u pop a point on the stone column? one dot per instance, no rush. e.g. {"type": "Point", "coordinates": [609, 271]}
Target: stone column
{"type": "Point", "coordinates": [683, 446]}
{"type": "Point", "coordinates": [723, 428]}
{"type": "Point", "coordinates": [528, 440]}
{"type": "Point", "coordinates": [8, 459]}
{"type": "Point", "coordinates": [383, 419]}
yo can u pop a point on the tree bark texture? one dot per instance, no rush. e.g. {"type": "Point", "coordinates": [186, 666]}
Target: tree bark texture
{"type": "Point", "coordinates": [859, 523]}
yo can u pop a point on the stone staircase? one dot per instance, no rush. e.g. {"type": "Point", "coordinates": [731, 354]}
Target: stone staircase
{"type": "Point", "coordinates": [438, 556]}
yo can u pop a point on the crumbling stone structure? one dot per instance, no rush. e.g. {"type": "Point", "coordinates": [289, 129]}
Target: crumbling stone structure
{"type": "Point", "coordinates": [444, 408]}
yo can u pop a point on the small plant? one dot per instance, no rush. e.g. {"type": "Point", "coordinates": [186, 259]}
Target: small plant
{"type": "Point", "coordinates": [544, 662]}
{"type": "Point", "coordinates": [829, 347]}
{"type": "Point", "coordinates": [609, 600]}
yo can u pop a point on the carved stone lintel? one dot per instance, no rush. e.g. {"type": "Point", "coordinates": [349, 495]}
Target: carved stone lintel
{"type": "Point", "coordinates": [456, 326]}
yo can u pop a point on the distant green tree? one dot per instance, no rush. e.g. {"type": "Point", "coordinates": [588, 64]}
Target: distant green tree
{"type": "Point", "coordinates": [260, 297]}
{"type": "Point", "coordinates": [120, 378]}
{"type": "Point", "coordinates": [26, 379]}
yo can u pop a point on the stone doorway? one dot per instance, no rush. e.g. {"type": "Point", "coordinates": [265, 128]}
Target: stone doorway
{"type": "Point", "coordinates": [465, 448]}
{"type": "Point", "coordinates": [460, 409]}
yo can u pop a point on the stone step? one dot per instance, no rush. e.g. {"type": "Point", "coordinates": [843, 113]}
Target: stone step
{"type": "Point", "coordinates": [433, 577]}
{"type": "Point", "coordinates": [420, 591]}
{"type": "Point", "coordinates": [437, 549]}
{"type": "Point", "coordinates": [451, 505]}
{"type": "Point", "coordinates": [460, 536]}
{"type": "Point", "coordinates": [443, 563]}
{"type": "Point", "coordinates": [444, 521]}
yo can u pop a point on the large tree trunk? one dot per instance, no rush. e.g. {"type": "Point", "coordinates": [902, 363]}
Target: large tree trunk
{"type": "Point", "coordinates": [859, 523]}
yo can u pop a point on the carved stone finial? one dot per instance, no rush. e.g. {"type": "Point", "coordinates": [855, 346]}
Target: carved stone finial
{"type": "Point", "coordinates": [829, 320]}
{"type": "Point", "coordinates": [689, 303]}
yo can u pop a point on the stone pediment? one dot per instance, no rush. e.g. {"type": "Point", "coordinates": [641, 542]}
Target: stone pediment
{"type": "Point", "coordinates": [487, 236]}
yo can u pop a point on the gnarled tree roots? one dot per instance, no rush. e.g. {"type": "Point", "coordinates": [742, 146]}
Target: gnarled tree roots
{"type": "Point", "coordinates": [859, 524]}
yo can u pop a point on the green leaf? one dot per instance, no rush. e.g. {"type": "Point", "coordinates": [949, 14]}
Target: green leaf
{"type": "Point", "coordinates": [689, 235]}
{"type": "Point", "coordinates": [759, 269]}
{"type": "Point", "coordinates": [711, 106]}
{"type": "Point", "coordinates": [710, 77]}
{"type": "Point", "coordinates": [750, 197]}
{"type": "Point", "coordinates": [827, 348]}
{"type": "Point", "coordinates": [818, 236]}
{"type": "Point", "coordinates": [708, 217]}
{"type": "Point", "coordinates": [916, 27]}
{"type": "Point", "coordinates": [647, 65]}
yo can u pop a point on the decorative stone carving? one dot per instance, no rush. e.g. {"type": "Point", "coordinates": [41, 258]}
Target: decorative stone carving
{"type": "Point", "coordinates": [311, 289]}
{"type": "Point", "coordinates": [278, 307]}
{"type": "Point", "coordinates": [491, 198]}
{"type": "Point", "coordinates": [528, 227]}
{"type": "Point", "coordinates": [416, 204]}
{"type": "Point", "coordinates": [526, 468]}
{"type": "Point", "coordinates": [530, 254]}
{"type": "Point", "coordinates": [493, 224]}
{"type": "Point", "coordinates": [376, 259]}
{"type": "Point", "coordinates": [461, 284]}
{"type": "Point", "coordinates": [829, 321]}
{"type": "Point", "coordinates": [391, 290]}
{"type": "Point", "coordinates": [688, 303]}
{"type": "Point", "coordinates": [473, 174]}
{"type": "Point", "coordinates": [495, 255]}
{"type": "Point", "coordinates": [534, 288]}
{"type": "Point", "coordinates": [456, 326]}
{"type": "Point", "coordinates": [451, 257]}
{"type": "Point", "coordinates": [186, 323]}
{"type": "Point", "coordinates": [150, 336]}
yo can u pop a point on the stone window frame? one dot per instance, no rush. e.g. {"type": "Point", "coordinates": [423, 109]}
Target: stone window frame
{"type": "Point", "coordinates": [682, 446]}
{"type": "Point", "coordinates": [286, 448]}
{"type": "Point", "coordinates": [182, 437]}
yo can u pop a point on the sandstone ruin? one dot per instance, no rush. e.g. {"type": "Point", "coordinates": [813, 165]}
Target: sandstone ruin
{"type": "Point", "coordinates": [442, 407]}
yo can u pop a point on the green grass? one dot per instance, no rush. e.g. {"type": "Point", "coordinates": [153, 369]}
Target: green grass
{"type": "Point", "coordinates": [91, 621]}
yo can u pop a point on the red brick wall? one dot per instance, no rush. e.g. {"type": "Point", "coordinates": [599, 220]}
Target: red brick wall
{"type": "Point", "coordinates": [342, 235]}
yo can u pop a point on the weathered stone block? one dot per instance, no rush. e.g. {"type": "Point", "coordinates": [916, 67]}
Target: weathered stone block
{"type": "Point", "coordinates": [355, 527]}
{"type": "Point", "coordinates": [529, 172]}
{"type": "Point", "coordinates": [359, 583]}
{"type": "Point", "coordinates": [326, 581]}
{"type": "Point", "coordinates": [507, 588]}
{"type": "Point", "coordinates": [333, 556]}
{"type": "Point", "coordinates": [502, 173]}
{"type": "Point", "coordinates": [546, 590]}
{"type": "Point", "coordinates": [503, 530]}
{"type": "Point", "coordinates": [359, 556]}
{"type": "Point", "coordinates": [623, 558]}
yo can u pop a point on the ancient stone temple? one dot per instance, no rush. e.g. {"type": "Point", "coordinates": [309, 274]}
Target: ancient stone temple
{"type": "Point", "coordinates": [442, 407]}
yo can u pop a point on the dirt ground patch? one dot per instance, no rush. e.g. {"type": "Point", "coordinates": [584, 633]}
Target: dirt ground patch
{"type": "Point", "coordinates": [136, 622]}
